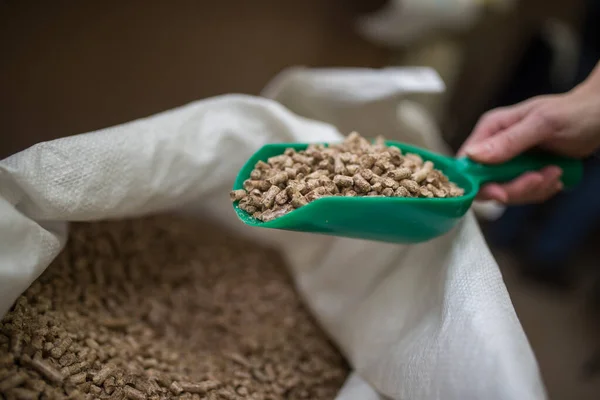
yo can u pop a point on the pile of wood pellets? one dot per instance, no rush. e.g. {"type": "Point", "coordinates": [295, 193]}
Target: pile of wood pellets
{"type": "Point", "coordinates": [355, 167]}
{"type": "Point", "coordinates": [164, 308]}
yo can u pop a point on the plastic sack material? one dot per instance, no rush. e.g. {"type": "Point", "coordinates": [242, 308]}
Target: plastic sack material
{"type": "Point", "coordinates": [428, 321]}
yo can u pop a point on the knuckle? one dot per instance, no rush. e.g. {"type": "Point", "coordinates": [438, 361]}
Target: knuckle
{"type": "Point", "coordinates": [493, 116]}
{"type": "Point", "coordinates": [510, 141]}
{"type": "Point", "coordinates": [540, 99]}
{"type": "Point", "coordinates": [489, 114]}
{"type": "Point", "coordinates": [548, 121]}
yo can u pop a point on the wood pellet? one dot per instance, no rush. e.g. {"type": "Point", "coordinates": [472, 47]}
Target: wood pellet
{"type": "Point", "coordinates": [164, 308]}
{"type": "Point", "coordinates": [353, 168]}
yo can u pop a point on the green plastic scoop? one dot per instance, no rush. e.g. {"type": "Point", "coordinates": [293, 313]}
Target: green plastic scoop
{"type": "Point", "coordinates": [400, 219]}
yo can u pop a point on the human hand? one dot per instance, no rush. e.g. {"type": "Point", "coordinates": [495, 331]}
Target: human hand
{"type": "Point", "coordinates": [567, 124]}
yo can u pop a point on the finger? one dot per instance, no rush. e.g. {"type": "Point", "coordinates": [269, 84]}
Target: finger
{"type": "Point", "coordinates": [520, 190]}
{"type": "Point", "coordinates": [551, 172]}
{"type": "Point", "coordinates": [541, 193]}
{"type": "Point", "coordinates": [490, 124]}
{"type": "Point", "coordinates": [543, 190]}
{"type": "Point", "coordinates": [529, 188]}
{"type": "Point", "coordinates": [514, 140]}
{"type": "Point", "coordinates": [549, 187]}
{"type": "Point", "coordinates": [551, 191]}
{"type": "Point", "coordinates": [493, 191]}
{"type": "Point", "coordinates": [498, 120]}
{"type": "Point", "coordinates": [534, 187]}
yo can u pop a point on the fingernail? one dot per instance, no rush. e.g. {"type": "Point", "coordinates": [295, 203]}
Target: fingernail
{"type": "Point", "coordinates": [480, 149]}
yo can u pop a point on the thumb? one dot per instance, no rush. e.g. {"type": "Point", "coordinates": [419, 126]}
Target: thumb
{"type": "Point", "coordinates": [510, 142]}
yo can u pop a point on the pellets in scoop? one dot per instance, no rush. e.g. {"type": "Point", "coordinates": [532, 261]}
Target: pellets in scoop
{"type": "Point", "coordinates": [355, 167]}
{"type": "Point", "coordinates": [164, 308]}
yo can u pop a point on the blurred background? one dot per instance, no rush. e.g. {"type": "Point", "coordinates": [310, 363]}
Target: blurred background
{"type": "Point", "coordinates": [68, 67]}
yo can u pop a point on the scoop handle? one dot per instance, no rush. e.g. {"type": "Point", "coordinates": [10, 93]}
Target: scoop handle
{"type": "Point", "coordinates": [484, 173]}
